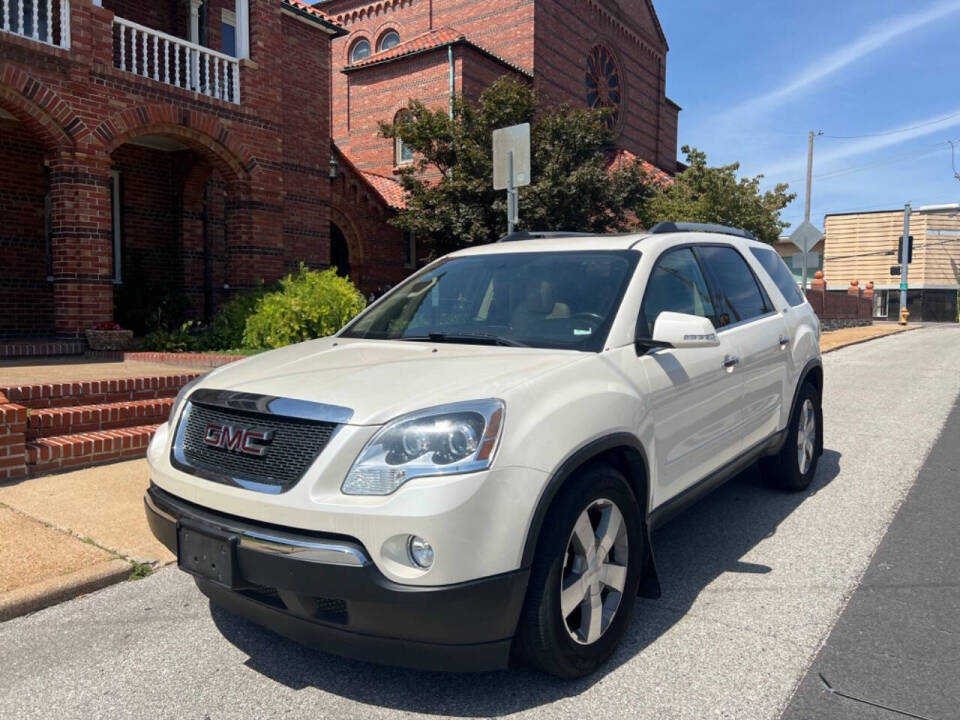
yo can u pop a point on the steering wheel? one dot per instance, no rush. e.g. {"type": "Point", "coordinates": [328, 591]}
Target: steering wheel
{"type": "Point", "coordinates": [588, 316]}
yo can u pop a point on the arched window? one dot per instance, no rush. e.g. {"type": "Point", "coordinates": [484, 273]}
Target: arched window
{"type": "Point", "coordinates": [360, 50]}
{"type": "Point", "coordinates": [390, 39]}
{"type": "Point", "coordinates": [403, 154]}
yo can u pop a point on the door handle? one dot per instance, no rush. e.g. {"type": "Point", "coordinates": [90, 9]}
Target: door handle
{"type": "Point", "coordinates": [784, 341]}
{"type": "Point", "coordinates": [730, 361]}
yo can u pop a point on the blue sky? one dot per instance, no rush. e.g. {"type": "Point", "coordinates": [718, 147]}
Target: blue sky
{"type": "Point", "coordinates": [755, 76]}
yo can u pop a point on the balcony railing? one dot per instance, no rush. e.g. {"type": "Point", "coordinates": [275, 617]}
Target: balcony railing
{"type": "Point", "coordinates": [175, 61]}
{"type": "Point", "coordinates": [46, 21]}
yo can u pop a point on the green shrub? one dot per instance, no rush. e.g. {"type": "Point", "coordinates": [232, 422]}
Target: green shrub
{"type": "Point", "coordinates": [226, 328]}
{"type": "Point", "coordinates": [173, 341]}
{"type": "Point", "coordinates": [308, 305]}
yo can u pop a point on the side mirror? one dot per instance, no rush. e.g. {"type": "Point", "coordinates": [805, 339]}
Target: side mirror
{"type": "Point", "coordinates": [679, 330]}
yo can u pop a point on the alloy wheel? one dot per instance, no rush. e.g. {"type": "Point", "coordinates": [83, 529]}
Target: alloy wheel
{"type": "Point", "coordinates": [806, 436]}
{"type": "Point", "coordinates": [594, 572]}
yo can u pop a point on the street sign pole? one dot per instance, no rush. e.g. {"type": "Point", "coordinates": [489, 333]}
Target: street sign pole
{"type": "Point", "coordinates": [512, 209]}
{"type": "Point", "coordinates": [511, 167]}
{"type": "Point", "coordinates": [904, 264]}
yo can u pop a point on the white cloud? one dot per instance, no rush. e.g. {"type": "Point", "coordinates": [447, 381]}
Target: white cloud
{"type": "Point", "coordinates": [866, 44]}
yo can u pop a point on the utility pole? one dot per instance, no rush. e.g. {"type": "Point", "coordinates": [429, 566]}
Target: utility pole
{"type": "Point", "coordinates": [904, 265]}
{"type": "Point", "coordinates": [806, 202]}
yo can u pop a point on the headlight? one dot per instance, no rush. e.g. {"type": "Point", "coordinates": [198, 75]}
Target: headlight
{"type": "Point", "coordinates": [445, 440]}
{"type": "Point", "coordinates": [181, 398]}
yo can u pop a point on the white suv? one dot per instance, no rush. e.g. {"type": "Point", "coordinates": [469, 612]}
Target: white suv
{"type": "Point", "coordinates": [472, 468]}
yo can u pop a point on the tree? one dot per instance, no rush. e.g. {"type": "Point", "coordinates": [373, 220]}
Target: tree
{"type": "Point", "coordinates": [451, 201]}
{"type": "Point", "coordinates": [714, 195]}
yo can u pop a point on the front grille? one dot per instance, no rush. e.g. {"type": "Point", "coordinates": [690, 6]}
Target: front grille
{"type": "Point", "coordinates": [294, 446]}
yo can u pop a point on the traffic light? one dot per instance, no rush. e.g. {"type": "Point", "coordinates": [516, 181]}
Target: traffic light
{"type": "Point", "coordinates": [909, 251]}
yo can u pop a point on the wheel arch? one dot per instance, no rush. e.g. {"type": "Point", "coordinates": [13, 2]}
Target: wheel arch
{"type": "Point", "coordinates": [622, 451]}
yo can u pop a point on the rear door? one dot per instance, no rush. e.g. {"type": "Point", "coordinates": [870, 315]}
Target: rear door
{"type": "Point", "coordinates": [748, 321]}
{"type": "Point", "coordinates": [694, 400]}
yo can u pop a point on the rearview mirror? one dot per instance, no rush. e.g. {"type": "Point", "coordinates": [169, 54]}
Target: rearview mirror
{"type": "Point", "coordinates": [679, 330]}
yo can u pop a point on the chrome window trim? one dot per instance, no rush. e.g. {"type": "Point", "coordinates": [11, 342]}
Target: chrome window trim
{"type": "Point", "coordinates": [741, 323]}
{"type": "Point", "coordinates": [252, 403]}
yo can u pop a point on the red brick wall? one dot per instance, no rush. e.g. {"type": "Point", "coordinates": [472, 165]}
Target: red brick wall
{"type": "Point", "coordinates": [26, 297]}
{"type": "Point", "coordinates": [566, 30]}
{"type": "Point", "coordinates": [306, 128]}
{"type": "Point", "coordinates": [378, 92]}
{"type": "Point", "coordinates": [551, 38]}
{"type": "Point", "coordinates": [271, 153]}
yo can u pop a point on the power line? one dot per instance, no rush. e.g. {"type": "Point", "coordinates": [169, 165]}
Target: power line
{"type": "Point", "coordinates": [894, 132]}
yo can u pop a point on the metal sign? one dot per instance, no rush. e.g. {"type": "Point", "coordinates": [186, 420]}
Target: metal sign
{"type": "Point", "coordinates": [511, 143]}
{"type": "Point", "coordinates": [903, 286]}
{"type": "Point", "coordinates": [806, 236]}
{"type": "Point", "coordinates": [895, 270]}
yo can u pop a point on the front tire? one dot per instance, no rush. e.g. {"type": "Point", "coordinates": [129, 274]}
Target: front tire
{"type": "Point", "coordinates": [585, 575]}
{"type": "Point", "coordinates": [795, 465]}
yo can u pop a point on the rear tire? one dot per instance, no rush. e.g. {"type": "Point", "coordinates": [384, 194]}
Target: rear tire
{"type": "Point", "coordinates": [794, 467]}
{"type": "Point", "coordinates": [585, 575]}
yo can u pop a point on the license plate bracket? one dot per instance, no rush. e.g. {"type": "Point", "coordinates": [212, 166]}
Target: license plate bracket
{"type": "Point", "coordinates": [206, 554]}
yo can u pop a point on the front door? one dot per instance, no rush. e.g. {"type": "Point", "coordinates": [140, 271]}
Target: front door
{"type": "Point", "coordinates": [694, 399]}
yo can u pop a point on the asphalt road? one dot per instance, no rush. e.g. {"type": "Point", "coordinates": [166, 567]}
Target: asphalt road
{"type": "Point", "coordinates": [754, 582]}
{"type": "Point", "coordinates": [895, 651]}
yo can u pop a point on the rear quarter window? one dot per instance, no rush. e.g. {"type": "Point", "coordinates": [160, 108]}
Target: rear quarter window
{"type": "Point", "coordinates": [780, 274]}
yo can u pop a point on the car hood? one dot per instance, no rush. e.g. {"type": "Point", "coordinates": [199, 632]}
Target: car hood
{"type": "Point", "coordinates": [381, 379]}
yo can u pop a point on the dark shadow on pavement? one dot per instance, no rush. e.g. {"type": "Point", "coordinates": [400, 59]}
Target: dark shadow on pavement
{"type": "Point", "coordinates": [694, 549]}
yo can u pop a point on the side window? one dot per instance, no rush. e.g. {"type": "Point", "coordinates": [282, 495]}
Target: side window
{"type": "Point", "coordinates": [675, 285]}
{"type": "Point", "coordinates": [737, 294]}
{"type": "Point", "coordinates": [780, 274]}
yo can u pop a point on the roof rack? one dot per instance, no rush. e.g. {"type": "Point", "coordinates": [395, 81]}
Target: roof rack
{"type": "Point", "coordinates": [542, 235]}
{"type": "Point", "coordinates": [672, 227]}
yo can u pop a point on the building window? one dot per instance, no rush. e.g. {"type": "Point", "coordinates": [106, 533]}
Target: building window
{"type": "Point", "coordinates": [228, 33]}
{"type": "Point", "coordinates": [403, 153]}
{"type": "Point", "coordinates": [603, 82]}
{"type": "Point", "coordinates": [409, 249]}
{"type": "Point", "coordinates": [389, 40]}
{"type": "Point", "coordinates": [360, 50]}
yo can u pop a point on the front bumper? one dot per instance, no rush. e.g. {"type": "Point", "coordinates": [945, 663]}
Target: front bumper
{"type": "Point", "coordinates": [323, 590]}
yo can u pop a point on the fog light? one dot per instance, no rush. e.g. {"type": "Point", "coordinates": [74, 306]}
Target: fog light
{"type": "Point", "coordinates": [420, 551]}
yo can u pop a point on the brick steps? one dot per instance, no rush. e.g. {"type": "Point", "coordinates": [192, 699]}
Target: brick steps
{"type": "Point", "coordinates": [50, 422]}
{"type": "Point", "coordinates": [67, 452]}
{"type": "Point", "coordinates": [96, 392]}
{"type": "Point", "coordinates": [64, 426]}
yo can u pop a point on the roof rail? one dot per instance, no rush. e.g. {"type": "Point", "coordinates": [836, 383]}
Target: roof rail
{"type": "Point", "coordinates": [672, 227]}
{"type": "Point", "coordinates": [542, 235]}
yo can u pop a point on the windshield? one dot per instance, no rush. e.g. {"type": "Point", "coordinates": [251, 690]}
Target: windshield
{"type": "Point", "coordinates": [565, 300]}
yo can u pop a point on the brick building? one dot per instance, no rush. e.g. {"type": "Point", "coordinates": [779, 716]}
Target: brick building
{"type": "Point", "coordinates": [578, 52]}
{"type": "Point", "coordinates": [177, 150]}
{"type": "Point", "coordinates": [152, 147]}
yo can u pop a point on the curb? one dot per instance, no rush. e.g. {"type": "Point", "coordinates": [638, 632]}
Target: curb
{"type": "Point", "coordinates": [64, 587]}
{"type": "Point", "coordinates": [869, 339]}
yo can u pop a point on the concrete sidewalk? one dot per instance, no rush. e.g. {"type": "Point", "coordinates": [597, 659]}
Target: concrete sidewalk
{"type": "Point", "coordinates": [65, 535]}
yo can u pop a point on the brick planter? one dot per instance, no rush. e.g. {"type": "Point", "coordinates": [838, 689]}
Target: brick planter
{"type": "Point", "coordinates": [109, 339]}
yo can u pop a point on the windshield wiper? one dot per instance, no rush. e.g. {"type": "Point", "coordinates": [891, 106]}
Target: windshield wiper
{"type": "Point", "coordinates": [452, 337]}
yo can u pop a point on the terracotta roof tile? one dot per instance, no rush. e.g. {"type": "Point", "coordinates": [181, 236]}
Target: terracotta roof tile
{"type": "Point", "coordinates": [390, 190]}
{"type": "Point", "coordinates": [620, 158]}
{"type": "Point", "coordinates": [303, 7]}
{"type": "Point", "coordinates": [428, 41]}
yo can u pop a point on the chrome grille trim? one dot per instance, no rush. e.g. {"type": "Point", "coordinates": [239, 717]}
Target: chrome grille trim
{"type": "Point", "coordinates": [303, 429]}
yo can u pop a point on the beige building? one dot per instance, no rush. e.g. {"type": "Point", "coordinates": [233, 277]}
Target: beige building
{"type": "Point", "coordinates": [863, 246]}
